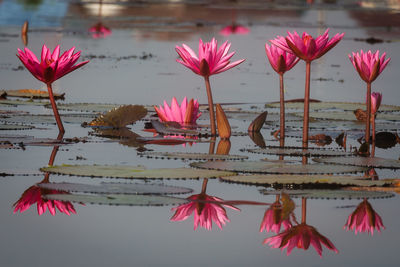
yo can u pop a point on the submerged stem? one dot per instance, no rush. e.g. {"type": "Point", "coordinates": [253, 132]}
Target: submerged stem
{"type": "Point", "coordinates": [303, 209]}
{"type": "Point", "coordinates": [55, 110]}
{"type": "Point", "coordinates": [204, 186]}
{"type": "Point", "coordinates": [210, 106]}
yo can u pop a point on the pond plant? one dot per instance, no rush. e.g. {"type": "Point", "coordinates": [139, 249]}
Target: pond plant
{"type": "Point", "coordinates": [308, 49]}
{"type": "Point", "coordinates": [210, 60]}
{"type": "Point", "coordinates": [51, 67]}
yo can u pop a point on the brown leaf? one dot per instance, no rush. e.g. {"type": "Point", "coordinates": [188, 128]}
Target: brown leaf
{"type": "Point", "coordinates": [361, 115]}
{"type": "Point", "coordinates": [32, 93]}
{"type": "Point", "coordinates": [321, 139]}
{"type": "Point", "coordinates": [224, 129]}
{"type": "Point", "coordinates": [258, 122]}
{"type": "Point", "coordinates": [120, 117]}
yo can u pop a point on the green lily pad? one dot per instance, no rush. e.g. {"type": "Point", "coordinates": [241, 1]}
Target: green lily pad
{"type": "Point", "coordinates": [346, 106]}
{"type": "Point", "coordinates": [32, 93]}
{"type": "Point", "coordinates": [48, 119]}
{"type": "Point", "coordinates": [87, 107]}
{"type": "Point", "coordinates": [374, 162]}
{"type": "Point", "coordinates": [172, 128]}
{"type": "Point", "coordinates": [274, 168]}
{"type": "Point", "coordinates": [348, 116]}
{"type": "Point", "coordinates": [6, 127]}
{"type": "Point", "coordinates": [117, 188]}
{"type": "Point", "coordinates": [339, 125]}
{"type": "Point", "coordinates": [191, 156]}
{"type": "Point", "coordinates": [284, 179]}
{"type": "Point", "coordinates": [330, 194]}
{"type": "Point", "coordinates": [133, 172]}
{"type": "Point", "coordinates": [298, 152]}
{"type": "Point", "coordinates": [120, 117]}
{"type": "Point", "coordinates": [123, 200]}
{"type": "Point", "coordinates": [7, 102]}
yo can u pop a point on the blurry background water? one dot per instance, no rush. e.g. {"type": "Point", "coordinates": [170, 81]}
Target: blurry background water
{"type": "Point", "coordinates": [135, 64]}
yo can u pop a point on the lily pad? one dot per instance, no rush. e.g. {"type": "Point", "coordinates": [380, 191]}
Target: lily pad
{"type": "Point", "coordinates": [133, 172]}
{"type": "Point", "coordinates": [298, 152]}
{"type": "Point", "coordinates": [340, 125]}
{"type": "Point", "coordinates": [283, 179]}
{"type": "Point", "coordinates": [32, 93]}
{"type": "Point", "coordinates": [167, 141]}
{"type": "Point", "coordinates": [48, 119]}
{"type": "Point", "coordinates": [117, 188]}
{"type": "Point", "coordinates": [120, 117]}
{"type": "Point", "coordinates": [347, 106]}
{"type": "Point", "coordinates": [5, 127]}
{"type": "Point", "coordinates": [172, 128]}
{"type": "Point", "coordinates": [348, 116]}
{"type": "Point", "coordinates": [374, 162]}
{"type": "Point", "coordinates": [330, 194]}
{"type": "Point", "coordinates": [22, 102]}
{"type": "Point", "coordinates": [123, 200]}
{"type": "Point", "coordinates": [274, 168]}
{"type": "Point", "coordinates": [88, 107]}
{"type": "Point", "coordinates": [191, 156]}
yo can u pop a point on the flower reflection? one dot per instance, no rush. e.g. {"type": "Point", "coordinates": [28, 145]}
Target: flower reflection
{"type": "Point", "coordinates": [206, 210]}
{"type": "Point", "coordinates": [99, 31]}
{"type": "Point", "coordinates": [234, 29]}
{"type": "Point", "coordinates": [300, 236]}
{"type": "Point", "coordinates": [364, 219]}
{"type": "Point", "coordinates": [274, 218]}
{"type": "Point", "coordinates": [34, 194]}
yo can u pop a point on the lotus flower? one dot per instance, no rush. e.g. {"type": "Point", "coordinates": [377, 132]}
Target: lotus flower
{"type": "Point", "coordinates": [205, 213]}
{"type": "Point", "coordinates": [364, 219]}
{"type": "Point", "coordinates": [306, 47]}
{"type": "Point", "coordinates": [300, 236]}
{"type": "Point", "coordinates": [52, 67]}
{"type": "Point", "coordinates": [34, 195]}
{"type": "Point", "coordinates": [185, 113]}
{"type": "Point", "coordinates": [234, 29]}
{"type": "Point", "coordinates": [273, 219]}
{"type": "Point", "coordinates": [280, 60]}
{"type": "Point", "coordinates": [369, 65]}
{"type": "Point", "coordinates": [99, 31]}
{"type": "Point", "coordinates": [211, 59]}
{"type": "Point", "coordinates": [376, 99]}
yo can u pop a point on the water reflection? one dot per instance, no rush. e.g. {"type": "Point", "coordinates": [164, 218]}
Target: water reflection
{"type": "Point", "coordinates": [364, 219]}
{"type": "Point", "coordinates": [34, 194]}
{"type": "Point", "coordinates": [206, 210]}
{"type": "Point", "coordinates": [99, 30]}
{"type": "Point", "coordinates": [277, 215]}
{"type": "Point", "coordinates": [300, 236]}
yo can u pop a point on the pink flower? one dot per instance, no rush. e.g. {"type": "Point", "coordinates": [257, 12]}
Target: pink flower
{"type": "Point", "coordinates": [369, 65]}
{"type": "Point", "coordinates": [364, 219]}
{"type": "Point", "coordinates": [205, 212]}
{"type": "Point", "coordinates": [52, 65]}
{"type": "Point", "coordinates": [280, 60]}
{"type": "Point", "coordinates": [300, 236]}
{"type": "Point", "coordinates": [185, 113]}
{"type": "Point", "coordinates": [211, 60]}
{"type": "Point", "coordinates": [273, 219]}
{"type": "Point", "coordinates": [306, 47]}
{"type": "Point", "coordinates": [234, 29]}
{"type": "Point", "coordinates": [99, 31]}
{"type": "Point", "coordinates": [376, 99]}
{"type": "Point", "coordinates": [34, 195]}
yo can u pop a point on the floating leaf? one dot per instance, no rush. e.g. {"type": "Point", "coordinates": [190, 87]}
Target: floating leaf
{"type": "Point", "coordinates": [348, 116]}
{"type": "Point", "coordinates": [22, 102]}
{"type": "Point", "coordinates": [285, 179]}
{"type": "Point", "coordinates": [191, 156]}
{"type": "Point", "coordinates": [124, 200]}
{"type": "Point", "coordinates": [120, 117]}
{"type": "Point", "coordinates": [117, 188]}
{"type": "Point", "coordinates": [32, 93]}
{"type": "Point", "coordinates": [48, 119]}
{"type": "Point", "coordinates": [374, 162]}
{"type": "Point", "coordinates": [88, 107]}
{"type": "Point", "coordinates": [332, 105]}
{"type": "Point", "coordinates": [15, 127]}
{"type": "Point", "coordinates": [258, 123]}
{"type": "Point", "coordinates": [172, 128]}
{"type": "Point", "coordinates": [386, 140]}
{"type": "Point", "coordinates": [298, 152]}
{"type": "Point", "coordinates": [330, 194]}
{"type": "Point", "coordinates": [274, 168]}
{"type": "Point", "coordinates": [133, 172]}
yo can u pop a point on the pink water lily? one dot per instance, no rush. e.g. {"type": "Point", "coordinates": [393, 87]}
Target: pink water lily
{"type": "Point", "coordinates": [234, 29]}
{"type": "Point", "coordinates": [211, 60]}
{"type": "Point", "coordinates": [99, 31]}
{"type": "Point", "coordinates": [205, 213]}
{"type": "Point", "coordinates": [364, 219]}
{"type": "Point", "coordinates": [51, 67]}
{"type": "Point", "coordinates": [280, 60]}
{"type": "Point", "coordinates": [273, 219]}
{"type": "Point", "coordinates": [187, 112]}
{"type": "Point", "coordinates": [300, 236]}
{"type": "Point", "coordinates": [376, 99]}
{"type": "Point", "coordinates": [34, 194]}
{"type": "Point", "coordinates": [306, 47]}
{"type": "Point", "coordinates": [369, 65]}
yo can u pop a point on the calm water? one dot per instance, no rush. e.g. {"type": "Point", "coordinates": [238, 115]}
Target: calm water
{"type": "Point", "coordinates": [136, 65]}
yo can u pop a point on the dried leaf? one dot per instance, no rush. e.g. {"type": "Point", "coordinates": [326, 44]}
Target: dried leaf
{"type": "Point", "coordinates": [120, 117]}
{"type": "Point", "coordinates": [224, 129]}
{"type": "Point", "coordinates": [32, 93]}
{"type": "Point", "coordinates": [361, 115]}
{"type": "Point", "coordinates": [258, 122]}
